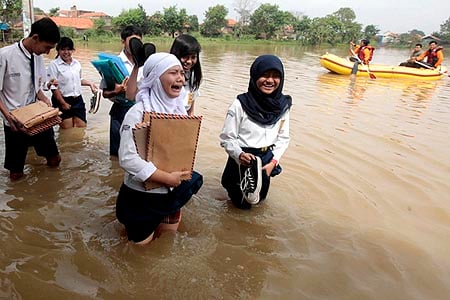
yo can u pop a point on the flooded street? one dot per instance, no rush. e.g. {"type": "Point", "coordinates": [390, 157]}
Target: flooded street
{"type": "Point", "coordinates": [360, 211]}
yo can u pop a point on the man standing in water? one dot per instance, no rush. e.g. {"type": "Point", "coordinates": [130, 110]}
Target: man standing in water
{"type": "Point", "coordinates": [22, 76]}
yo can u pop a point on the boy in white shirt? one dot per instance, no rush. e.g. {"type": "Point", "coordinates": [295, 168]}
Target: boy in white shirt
{"type": "Point", "coordinates": [22, 77]}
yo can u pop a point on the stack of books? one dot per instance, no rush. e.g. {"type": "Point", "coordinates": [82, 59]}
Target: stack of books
{"type": "Point", "coordinates": [111, 68]}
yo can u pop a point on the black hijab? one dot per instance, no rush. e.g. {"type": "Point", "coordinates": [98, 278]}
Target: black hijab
{"type": "Point", "coordinates": [263, 108]}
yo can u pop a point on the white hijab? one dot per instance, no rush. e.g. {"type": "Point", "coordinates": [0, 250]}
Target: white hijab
{"type": "Point", "coordinates": [150, 90]}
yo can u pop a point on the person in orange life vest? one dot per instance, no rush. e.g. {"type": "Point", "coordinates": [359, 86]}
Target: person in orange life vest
{"type": "Point", "coordinates": [434, 55]}
{"type": "Point", "coordinates": [363, 51]}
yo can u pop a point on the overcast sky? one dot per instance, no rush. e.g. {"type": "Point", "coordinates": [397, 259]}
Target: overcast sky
{"type": "Point", "coordinates": [388, 15]}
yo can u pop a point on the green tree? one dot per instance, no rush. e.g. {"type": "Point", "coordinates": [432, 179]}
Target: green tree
{"type": "Point", "coordinates": [349, 30]}
{"type": "Point", "coordinates": [53, 11]}
{"type": "Point", "coordinates": [370, 31]}
{"type": "Point", "coordinates": [266, 20]}
{"type": "Point", "coordinates": [445, 31]}
{"type": "Point", "coordinates": [174, 20]}
{"type": "Point", "coordinates": [193, 23]}
{"type": "Point", "coordinates": [321, 31]}
{"type": "Point", "coordinates": [67, 31]}
{"type": "Point", "coordinates": [214, 21]}
{"type": "Point", "coordinates": [155, 23]}
{"type": "Point", "coordinates": [302, 27]}
{"type": "Point", "coordinates": [38, 11]}
{"type": "Point", "coordinates": [11, 11]}
{"type": "Point", "coordinates": [135, 16]}
{"type": "Point", "coordinates": [99, 26]}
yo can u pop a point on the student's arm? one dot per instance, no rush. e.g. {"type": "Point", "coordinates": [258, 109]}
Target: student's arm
{"type": "Point", "coordinates": [93, 87]}
{"type": "Point", "coordinates": [11, 120]}
{"type": "Point", "coordinates": [440, 58]}
{"type": "Point", "coordinates": [59, 97]}
{"type": "Point", "coordinates": [172, 179]}
{"type": "Point", "coordinates": [230, 131]}
{"type": "Point", "coordinates": [42, 97]}
{"type": "Point", "coordinates": [132, 84]}
{"type": "Point", "coordinates": [421, 56]}
{"type": "Point", "coordinates": [283, 138]}
{"type": "Point", "coordinates": [118, 89]}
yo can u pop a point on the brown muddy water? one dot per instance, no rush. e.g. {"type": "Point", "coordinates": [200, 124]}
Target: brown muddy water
{"type": "Point", "coordinates": [361, 210]}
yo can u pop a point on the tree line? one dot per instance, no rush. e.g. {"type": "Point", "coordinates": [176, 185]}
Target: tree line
{"type": "Point", "coordinates": [264, 21]}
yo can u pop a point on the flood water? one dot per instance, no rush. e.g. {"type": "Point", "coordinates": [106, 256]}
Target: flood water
{"type": "Point", "coordinates": [361, 210]}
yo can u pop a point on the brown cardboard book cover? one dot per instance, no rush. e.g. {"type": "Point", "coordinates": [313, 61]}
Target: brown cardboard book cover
{"type": "Point", "coordinates": [37, 117]}
{"type": "Point", "coordinates": [171, 142]}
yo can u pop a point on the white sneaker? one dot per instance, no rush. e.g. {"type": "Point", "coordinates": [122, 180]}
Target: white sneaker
{"type": "Point", "coordinates": [251, 181]}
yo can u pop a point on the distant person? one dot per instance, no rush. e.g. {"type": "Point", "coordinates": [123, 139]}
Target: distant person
{"type": "Point", "coordinates": [411, 62]}
{"type": "Point", "coordinates": [116, 93]}
{"type": "Point", "coordinates": [22, 78]}
{"type": "Point", "coordinates": [434, 55]}
{"type": "Point", "coordinates": [67, 94]}
{"type": "Point", "coordinates": [362, 53]}
{"type": "Point", "coordinates": [255, 134]}
{"type": "Point", "coordinates": [187, 49]}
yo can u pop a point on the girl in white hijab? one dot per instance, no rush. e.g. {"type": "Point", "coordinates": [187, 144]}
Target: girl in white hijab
{"type": "Point", "coordinates": [146, 213]}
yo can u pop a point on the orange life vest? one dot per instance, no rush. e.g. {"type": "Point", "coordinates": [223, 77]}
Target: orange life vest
{"type": "Point", "coordinates": [361, 52]}
{"type": "Point", "coordinates": [432, 55]}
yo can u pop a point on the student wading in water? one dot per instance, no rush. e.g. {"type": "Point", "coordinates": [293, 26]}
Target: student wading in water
{"type": "Point", "coordinates": [22, 78]}
{"type": "Point", "coordinates": [256, 133]}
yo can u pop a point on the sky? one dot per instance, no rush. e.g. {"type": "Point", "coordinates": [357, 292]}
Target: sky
{"type": "Point", "coordinates": [398, 16]}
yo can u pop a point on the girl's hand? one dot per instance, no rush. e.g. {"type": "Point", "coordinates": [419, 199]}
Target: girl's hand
{"type": "Point", "coordinates": [94, 88]}
{"type": "Point", "coordinates": [246, 158]}
{"type": "Point", "coordinates": [269, 167]}
{"type": "Point", "coordinates": [65, 106]}
{"type": "Point", "coordinates": [174, 178]}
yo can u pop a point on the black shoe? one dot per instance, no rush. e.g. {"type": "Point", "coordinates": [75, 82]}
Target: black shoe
{"type": "Point", "coordinates": [251, 181]}
{"type": "Point", "coordinates": [137, 51]}
{"type": "Point", "coordinates": [149, 49]}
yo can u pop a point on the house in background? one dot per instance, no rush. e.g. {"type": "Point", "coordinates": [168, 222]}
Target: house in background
{"type": "Point", "coordinates": [229, 27]}
{"type": "Point", "coordinates": [388, 38]}
{"type": "Point", "coordinates": [79, 20]}
{"type": "Point", "coordinates": [428, 38]}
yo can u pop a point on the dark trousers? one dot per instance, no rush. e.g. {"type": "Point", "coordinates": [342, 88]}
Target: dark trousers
{"type": "Point", "coordinates": [231, 179]}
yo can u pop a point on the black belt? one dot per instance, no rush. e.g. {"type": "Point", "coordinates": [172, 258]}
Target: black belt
{"type": "Point", "coordinates": [262, 149]}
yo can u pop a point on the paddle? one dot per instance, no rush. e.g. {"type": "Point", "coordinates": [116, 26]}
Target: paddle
{"type": "Point", "coordinates": [372, 76]}
{"type": "Point", "coordinates": [424, 65]}
{"type": "Point", "coordinates": [428, 66]}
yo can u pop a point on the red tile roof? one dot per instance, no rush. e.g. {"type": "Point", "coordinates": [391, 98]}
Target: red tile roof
{"type": "Point", "coordinates": [76, 23]}
{"type": "Point", "coordinates": [93, 15]}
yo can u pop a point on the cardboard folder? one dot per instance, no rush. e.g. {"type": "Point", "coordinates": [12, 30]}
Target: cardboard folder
{"type": "Point", "coordinates": [169, 141]}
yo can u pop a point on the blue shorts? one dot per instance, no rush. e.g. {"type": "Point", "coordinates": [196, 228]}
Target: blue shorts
{"type": "Point", "coordinates": [77, 108]}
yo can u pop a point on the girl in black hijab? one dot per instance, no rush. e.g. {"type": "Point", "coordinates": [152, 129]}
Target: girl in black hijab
{"type": "Point", "coordinates": [256, 133]}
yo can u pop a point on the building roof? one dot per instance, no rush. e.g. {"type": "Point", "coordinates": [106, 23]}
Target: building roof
{"type": "Point", "coordinates": [431, 37]}
{"type": "Point", "coordinates": [76, 23]}
{"type": "Point", "coordinates": [93, 15]}
{"type": "Point", "coordinates": [231, 22]}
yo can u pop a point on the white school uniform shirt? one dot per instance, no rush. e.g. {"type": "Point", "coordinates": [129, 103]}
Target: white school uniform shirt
{"type": "Point", "coordinates": [68, 76]}
{"type": "Point", "coordinates": [16, 89]}
{"type": "Point", "coordinates": [137, 170]}
{"type": "Point", "coordinates": [191, 96]}
{"type": "Point", "coordinates": [240, 131]}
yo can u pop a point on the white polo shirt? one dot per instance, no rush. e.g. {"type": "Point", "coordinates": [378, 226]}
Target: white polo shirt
{"type": "Point", "coordinates": [68, 75]}
{"type": "Point", "coordinates": [15, 76]}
